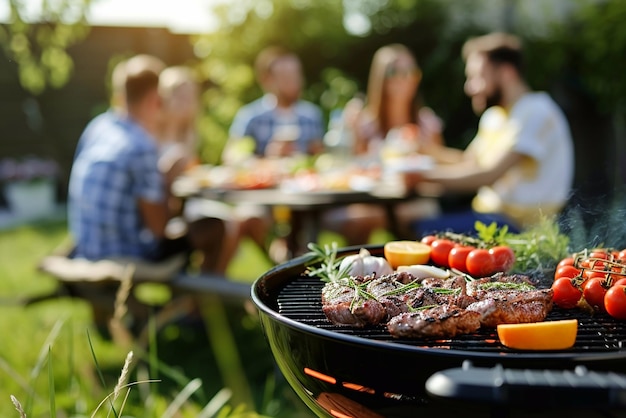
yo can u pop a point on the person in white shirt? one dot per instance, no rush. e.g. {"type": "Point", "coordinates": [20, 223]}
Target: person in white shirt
{"type": "Point", "coordinates": [521, 162]}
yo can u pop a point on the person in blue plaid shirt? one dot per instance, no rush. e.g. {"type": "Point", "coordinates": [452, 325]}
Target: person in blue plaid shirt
{"type": "Point", "coordinates": [118, 203]}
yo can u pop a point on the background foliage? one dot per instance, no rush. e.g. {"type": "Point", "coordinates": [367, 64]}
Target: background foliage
{"type": "Point", "coordinates": [574, 50]}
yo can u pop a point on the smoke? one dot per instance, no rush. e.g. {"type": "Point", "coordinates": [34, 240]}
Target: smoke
{"type": "Point", "coordinates": [596, 222]}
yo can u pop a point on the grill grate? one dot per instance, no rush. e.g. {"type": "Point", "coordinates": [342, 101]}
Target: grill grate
{"type": "Point", "coordinates": [300, 300]}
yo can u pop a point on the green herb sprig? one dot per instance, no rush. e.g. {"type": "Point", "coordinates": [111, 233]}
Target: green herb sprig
{"type": "Point", "coordinates": [329, 264]}
{"type": "Point", "coordinates": [537, 248]}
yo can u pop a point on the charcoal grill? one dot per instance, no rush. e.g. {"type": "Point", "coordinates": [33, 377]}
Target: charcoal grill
{"type": "Point", "coordinates": [342, 371]}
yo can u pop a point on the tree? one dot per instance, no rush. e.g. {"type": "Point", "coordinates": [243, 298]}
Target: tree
{"type": "Point", "coordinates": [39, 48]}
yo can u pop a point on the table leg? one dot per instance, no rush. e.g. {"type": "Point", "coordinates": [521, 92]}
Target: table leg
{"type": "Point", "coordinates": [392, 222]}
{"type": "Point", "coordinates": [305, 228]}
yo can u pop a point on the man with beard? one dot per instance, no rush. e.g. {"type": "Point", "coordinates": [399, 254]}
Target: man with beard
{"type": "Point", "coordinates": [521, 162]}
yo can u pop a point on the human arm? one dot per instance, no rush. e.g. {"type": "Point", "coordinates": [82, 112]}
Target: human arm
{"type": "Point", "coordinates": [155, 216]}
{"type": "Point", "coordinates": [151, 193]}
{"type": "Point", "coordinates": [466, 175]}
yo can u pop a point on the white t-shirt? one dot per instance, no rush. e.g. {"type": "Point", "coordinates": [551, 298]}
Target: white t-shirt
{"type": "Point", "coordinates": [537, 128]}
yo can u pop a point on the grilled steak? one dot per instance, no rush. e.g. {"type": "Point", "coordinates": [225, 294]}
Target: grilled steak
{"type": "Point", "coordinates": [502, 311]}
{"type": "Point", "coordinates": [395, 296]}
{"type": "Point", "coordinates": [509, 300]}
{"type": "Point", "coordinates": [458, 297]}
{"type": "Point", "coordinates": [345, 303]}
{"type": "Point", "coordinates": [444, 321]}
{"type": "Point", "coordinates": [434, 308]}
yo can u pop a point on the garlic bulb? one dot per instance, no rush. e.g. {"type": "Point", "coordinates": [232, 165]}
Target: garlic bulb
{"type": "Point", "coordinates": [364, 264]}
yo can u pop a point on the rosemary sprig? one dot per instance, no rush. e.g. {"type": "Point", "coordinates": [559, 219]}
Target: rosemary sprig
{"type": "Point", "coordinates": [329, 264]}
{"type": "Point", "coordinates": [421, 308]}
{"type": "Point", "coordinates": [506, 286]}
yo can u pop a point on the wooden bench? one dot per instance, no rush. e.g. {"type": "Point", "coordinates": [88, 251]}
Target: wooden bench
{"type": "Point", "coordinates": [107, 286]}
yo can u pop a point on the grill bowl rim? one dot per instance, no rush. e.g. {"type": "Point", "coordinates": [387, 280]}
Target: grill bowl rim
{"type": "Point", "coordinates": [291, 269]}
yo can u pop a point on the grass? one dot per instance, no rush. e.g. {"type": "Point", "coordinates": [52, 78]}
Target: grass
{"type": "Point", "coordinates": [54, 362]}
{"type": "Point", "coordinates": [59, 334]}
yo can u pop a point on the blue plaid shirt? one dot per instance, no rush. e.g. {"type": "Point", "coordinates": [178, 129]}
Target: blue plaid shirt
{"type": "Point", "coordinates": [118, 167]}
{"type": "Point", "coordinates": [260, 119]}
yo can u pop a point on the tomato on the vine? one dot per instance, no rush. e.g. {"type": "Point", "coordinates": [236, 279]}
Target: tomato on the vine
{"type": "Point", "coordinates": [594, 290]}
{"type": "Point", "coordinates": [458, 257]}
{"type": "Point", "coordinates": [428, 239]}
{"type": "Point", "coordinates": [440, 249]}
{"type": "Point", "coordinates": [619, 282]}
{"type": "Point", "coordinates": [568, 261]}
{"type": "Point", "coordinates": [599, 253]}
{"type": "Point", "coordinates": [566, 294]}
{"type": "Point", "coordinates": [590, 274]}
{"type": "Point", "coordinates": [566, 271]}
{"type": "Point", "coordinates": [503, 256]}
{"type": "Point", "coordinates": [615, 302]}
{"type": "Point", "coordinates": [480, 263]}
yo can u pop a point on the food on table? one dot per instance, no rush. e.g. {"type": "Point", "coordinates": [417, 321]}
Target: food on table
{"type": "Point", "coordinates": [405, 253]}
{"type": "Point", "coordinates": [549, 335]}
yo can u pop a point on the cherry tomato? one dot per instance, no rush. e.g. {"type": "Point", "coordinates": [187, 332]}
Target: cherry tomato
{"type": "Point", "coordinates": [594, 290]}
{"type": "Point", "coordinates": [566, 294]}
{"type": "Point", "coordinates": [503, 256]}
{"type": "Point", "coordinates": [598, 253]}
{"type": "Point", "coordinates": [440, 249]}
{"type": "Point", "coordinates": [621, 256]}
{"type": "Point", "coordinates": [457, 257]}
{"type": "Point", "coordinates": [566, 271]}
{"type": "Point", "coordinates": [428, 239]}
{"type": "Point", "coordinates": [480, 263]}
{"type": "Point", "coordinates": [569, 261]}
{"type": "Point", "coordinates": [615, 302]}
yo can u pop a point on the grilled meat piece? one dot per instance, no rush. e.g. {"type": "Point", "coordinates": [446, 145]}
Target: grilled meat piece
{"type": "Point", "coordinates": [398, 296]}
{"type": "Point", "coordinates": [395, 296]}
{"type": "Point", "coordinates": [444, 321]}
{"type": "Point", "coordinates": [480, 288]}
{"type": "Point", "coordinates": [459, 297]}
{"type": "Point", "coordinates": [509, 300]}
{"type": "Point", "coordinates": [345, 303]}
{"type": "Point", "coordinates": [502, 311]}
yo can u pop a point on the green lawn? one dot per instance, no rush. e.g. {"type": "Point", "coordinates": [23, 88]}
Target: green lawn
{"type": "Point", "coordinates": [49, 348]}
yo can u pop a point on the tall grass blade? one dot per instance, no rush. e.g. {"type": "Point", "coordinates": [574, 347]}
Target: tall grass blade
{"type": "Point", "coordinates": [181, 398]}
{"type": "Point", "coordinates": [110, 395]}
{"type": "Point", "coordinates": [41, 359]}
{"type": "Point", "coordinates": [225, 349]}
{"type": "Point", "coordinates": [99, 370]}
{"type": "Point", "coordinates": [51, 390]}
{"type": "Point", "coordinates": [213, 407]}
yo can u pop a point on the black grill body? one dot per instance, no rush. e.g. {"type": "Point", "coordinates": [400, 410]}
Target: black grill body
{"type": "Point", "coordinates": [369, 369]}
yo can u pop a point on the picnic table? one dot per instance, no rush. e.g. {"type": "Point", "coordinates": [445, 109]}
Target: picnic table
{"type": "Point", "coordinates": [305, 205]}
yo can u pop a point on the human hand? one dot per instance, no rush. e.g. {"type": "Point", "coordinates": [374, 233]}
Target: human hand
{"type": "Point", "coordinates": [411, 179]}
{"type": "Point", "coordinates": [280, 149]}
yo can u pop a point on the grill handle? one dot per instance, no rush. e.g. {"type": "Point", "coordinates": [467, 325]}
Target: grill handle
{"type": "Point", "coordinates": [579, 388]}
